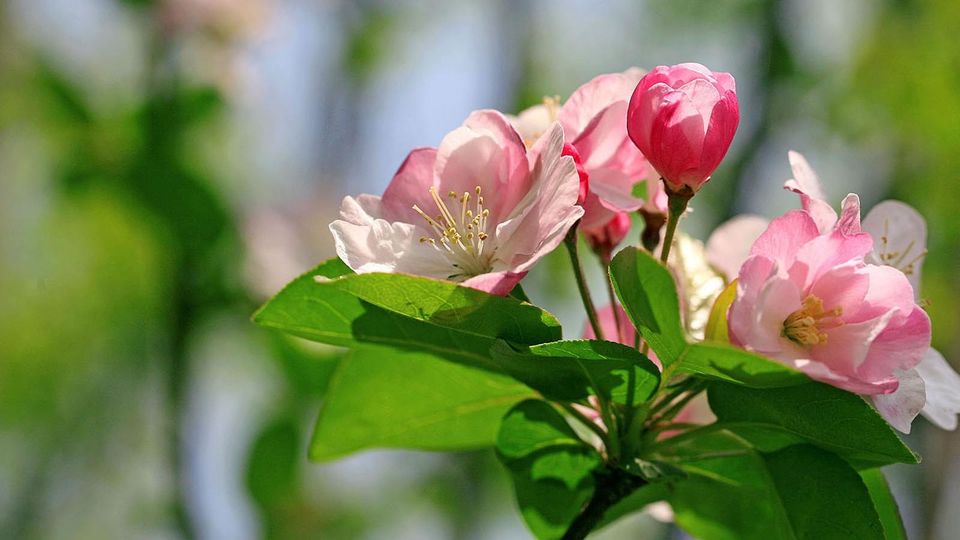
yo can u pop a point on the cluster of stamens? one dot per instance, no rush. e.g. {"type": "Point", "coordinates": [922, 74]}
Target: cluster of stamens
{"type": "Point", "coordinates": [898, 259]}
{"type": "Point", "coordinates": [805, 326]}
{"type": "Point", "coordinates": [460, 235]}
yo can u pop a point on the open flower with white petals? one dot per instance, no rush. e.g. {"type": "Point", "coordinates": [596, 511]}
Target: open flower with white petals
{"type": "Point", "coordinates": [899, 235]}
{"type": "Point", "coordinates": [593, 121]}
{"type": "Point", "coordinates": [481, 209]}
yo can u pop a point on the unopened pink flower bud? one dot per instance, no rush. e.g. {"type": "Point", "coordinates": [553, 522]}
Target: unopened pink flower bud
{"type": "Point", "coordinates": [570, 150]}
{"type": "Point", "coordinates": [683, 119]}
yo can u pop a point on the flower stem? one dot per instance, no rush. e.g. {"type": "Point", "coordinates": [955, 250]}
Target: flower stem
{"type": "Point", "coordinates": [676, 206]}
{"type": "Point", "coordinates": [571, 242]}
{"type": "Point", "coordinates": [605, 262]}
{"type": "Point", "coordinates": [589, 424]}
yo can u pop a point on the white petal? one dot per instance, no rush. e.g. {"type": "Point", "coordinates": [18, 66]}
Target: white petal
{"type": "Point", "coordinates": [943, 390]}
{"type": "Point", "coordinates": [805, 176]}
{"type": "Point", "coordinates": [902, 406]}
{"type": "Point", "coordinates": [367, 243]}
{"type": "Point", "coordinates": [533, 122]}
{"type": "Point", "coordinates": [899, 238]}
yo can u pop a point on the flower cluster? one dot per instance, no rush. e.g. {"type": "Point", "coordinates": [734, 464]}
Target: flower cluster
{"type": "Point", "coordinates": [767, 350]}
{"type": "Point", "coordinates": [823, 293]}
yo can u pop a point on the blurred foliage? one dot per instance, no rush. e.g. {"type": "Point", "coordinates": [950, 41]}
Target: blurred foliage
{"type": "Point", "coordinates": [905, 87]}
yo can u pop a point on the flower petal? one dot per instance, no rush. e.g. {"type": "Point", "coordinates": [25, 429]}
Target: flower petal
{"type": "Point", "coordinates": [590, 99]}
{"type": "Point", "coordinates": [902, 406]}
{"type": "Point", "coordinates": [785, 236]}
{"type": "Point", "coordinates": [410, 186]}
{"type": "Point", "coordinates": [943, 390]}
{"type": "Point", "coordinates": [806, 184]}
{"type": "Point", "coordinates": [486, 151]}
{"type": "Point", "coordinates": [541, 220]}
{"type": "Point", "coordinates": [900, 239]}
{"type": "Point", "coordinates": [532, 123]}
{"type": "Point", "coordinates": [901, 345]}
{"type": "Point", "coordinates": [499, 283]}
{"type": "Point", "coordinates": [823, 253]}
{"type": "Point", "coordinates": [729, 245]}
{"type": "Point", "coordinates": [369, 244]}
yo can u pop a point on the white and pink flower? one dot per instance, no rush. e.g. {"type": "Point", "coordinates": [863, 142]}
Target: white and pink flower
{"type": "Point", "coordinates": [899, 241]}
{"type": "Point", "coordinates": [481, 209]}
{"type": "Point", "coordinates": [593, 121]}
{"type": "Point", "coordinates": [874, 265]}
{"type": "Point", "coordinates": [809, 300]}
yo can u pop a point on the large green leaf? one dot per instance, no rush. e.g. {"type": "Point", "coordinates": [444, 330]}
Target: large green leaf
{"type": "Point", "coordinates": [728, 363]}
{"type": "Point", "coordinates": [823, 496]}
{"type": "Point", "coordinates": [456, 323]}
{"type": "Point", "coordinates": [385, 398]}
{"type": "Point", "coordinates": [551, 468]}
{"type": "Point", "coordinates": [885, 504]}
{"type": "Point", "coordinates": [649, 295]}
{"type": "Point", "coordinates": [727, 495]}
{"type": "Point", "coordinates": [799, 492]}
{"type": "Point", "coordinates": [814, 412]}
{"type": "Point", "coordinates": [573, 370]}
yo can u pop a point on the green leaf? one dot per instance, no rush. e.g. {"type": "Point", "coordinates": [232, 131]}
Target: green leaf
{"type": "Point", "coordinates": [822, 495]}
{"type": "Point", "coordinates": [331, 268]}
{"type": "Point", "coordinates": [273, 463]}
{"type": "Point", "coordinates": [885, 504]}
{"type": "Point", "coordinates": [455, 323]}
{"type": "Point", "coordinates": [573, 370]}
{"type": "Point", "coordinates": [385, 398]}
{"type": "Point", "coordinates": [727, 495]}
{"type": "Point", "coordinates": [649, 295]}
{"type": "Point", "coordinates": [552, 470]}
{"type": "Point", "coordinates": [307, 367]}
{"type": "Point", "coordinates": [728, 363]}
{"type": "Point", "coordinates": [828, 417]}
{"type": "Point", "coordinates": [734, 492]}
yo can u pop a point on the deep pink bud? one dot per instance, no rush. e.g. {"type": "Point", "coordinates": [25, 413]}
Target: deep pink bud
{"type": "Point", "coordinates": [683, 119]}
{"type": "Point", "coordinates": [604, 239]}
{"type": "Point", "coordinates": [570, 150]}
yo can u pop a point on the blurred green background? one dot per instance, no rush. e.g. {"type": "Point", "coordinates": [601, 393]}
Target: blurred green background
{"type": "Point", "coordinates": [166, 165]}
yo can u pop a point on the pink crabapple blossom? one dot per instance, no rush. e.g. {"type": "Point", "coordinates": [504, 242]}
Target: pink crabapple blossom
{"type": "Point", "coordinates": [593, 123]}
{"type": "Point", "coordinates": [810, 301]}
{"type": "Point", "coordinates": [481, 209]}
{"type": "Point", "coordinates": [899, 235]}
{"type": "Point", "coordinates": [683, 119]}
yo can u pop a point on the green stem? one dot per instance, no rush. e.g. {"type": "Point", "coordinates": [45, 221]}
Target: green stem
{"type": "Point", "coordinates": [672, 393]}
{"type": "Point", "coordinates": [589, 424]}
{"type": "Point", "coordinates": [571, 242]}
{"type": "Point", "coordinates": [676, 206]}
{"type": "Point", "coordinates": [612, 486]}
{"type": "Point", "coordinates": [605, 262]}
{"type": "Point", "coordinates": [679, 405]}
